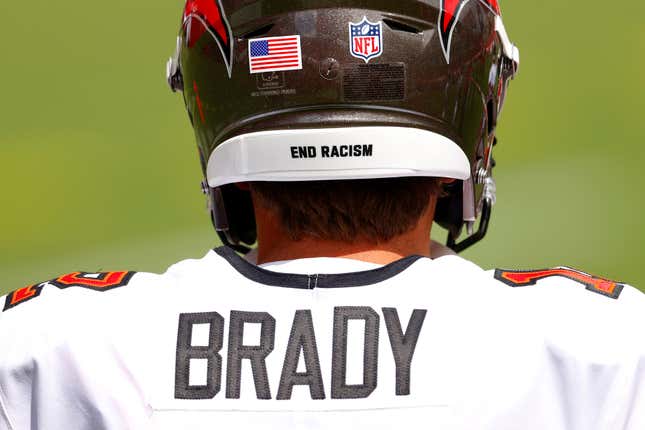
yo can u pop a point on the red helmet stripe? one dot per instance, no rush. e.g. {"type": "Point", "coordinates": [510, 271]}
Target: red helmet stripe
{"type": "Point", "coordinates": [209, 11]}
{"type": "Point", "coordinates": [450, 8]}
{"type": "Point", "coordinates": [494, 4]}
{"type": "Point", "coordinates": [209, 16]}
{"type": "Point", "coordinates": [447, 19]}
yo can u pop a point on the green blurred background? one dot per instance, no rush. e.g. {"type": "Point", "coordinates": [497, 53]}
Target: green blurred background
{"type": "Point", "coordinates": [99, 169]}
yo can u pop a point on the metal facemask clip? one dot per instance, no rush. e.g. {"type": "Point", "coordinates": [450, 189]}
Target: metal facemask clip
{"type": "Point", "coordinates": [173, 70]}
{"type": "Point", "coordinates": [511, 52]}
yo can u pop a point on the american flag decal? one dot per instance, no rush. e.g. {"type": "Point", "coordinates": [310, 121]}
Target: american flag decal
{"type": "Point", "coordinates": [273, 54]}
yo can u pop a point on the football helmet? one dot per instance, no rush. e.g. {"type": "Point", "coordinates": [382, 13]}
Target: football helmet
{"type": "Point", "coordinates": [337, 90]}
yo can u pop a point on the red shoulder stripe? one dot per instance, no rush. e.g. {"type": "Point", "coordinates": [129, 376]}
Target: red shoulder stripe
{"type": "Point", "coordinates": [101, 281]}
{"type": "Point", "coordinates": [595, 284]}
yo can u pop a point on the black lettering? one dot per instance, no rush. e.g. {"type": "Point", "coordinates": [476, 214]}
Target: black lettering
{"type": "Point", "coordinates": [294, 152]}
{"type": "Point", "coordinates": [340, 389]}
{"type": "Point", "coordinates": [311, 151]}
{"type": "Point", "coordinates": [325, 151]}
{"type": "Point", "coordinates": [186, 351]}
{"type": "Point", "coordinates": [344, 151]}
{"type": "Point", "coordinates": [302, 338]}
{"type": "Point", "coordinates": [403, 345]}
{"type": "Point", "coordinates": [356, 150]}
{"type": "Point", "coordinates": [334, 151]}
{"type": "Point", "coordinates": [302, 152]}
{"type": "Point", "coordinates": [367, 150]}
{"type": "Point", "coordinates": [257, 354]}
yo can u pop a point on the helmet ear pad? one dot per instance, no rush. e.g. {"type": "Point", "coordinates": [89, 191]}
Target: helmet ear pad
{"type": "Point", "coordinates": [449, 210]}
{"type": "Point", "coordinates": [237, 205]}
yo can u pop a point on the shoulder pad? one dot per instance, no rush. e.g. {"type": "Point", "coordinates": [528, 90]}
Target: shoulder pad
{"type": "Point", "coordinates": [523, 278]}
{"type": "Point", "coordinates": [100, 281]}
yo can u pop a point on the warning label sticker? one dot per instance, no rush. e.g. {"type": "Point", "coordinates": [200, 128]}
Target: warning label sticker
{"type": "Point", "coordinates": [374, 82]}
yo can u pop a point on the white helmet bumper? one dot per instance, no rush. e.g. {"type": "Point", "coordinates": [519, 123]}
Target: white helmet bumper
{"type": "Point", "coordinates": [335, 154]}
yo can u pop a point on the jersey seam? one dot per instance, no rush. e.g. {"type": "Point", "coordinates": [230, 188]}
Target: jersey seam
{"type": "Point", "coordinates": [5, 412]}
{"type": "Point", "coordinates": [385, 408]}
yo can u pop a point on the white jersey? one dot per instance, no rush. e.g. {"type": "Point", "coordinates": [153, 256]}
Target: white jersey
{"type": "Point", "coordinates": [419, 343]}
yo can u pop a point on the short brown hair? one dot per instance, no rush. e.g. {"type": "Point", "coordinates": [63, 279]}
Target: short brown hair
{"type": "Point", "coordinates": [372, 210]}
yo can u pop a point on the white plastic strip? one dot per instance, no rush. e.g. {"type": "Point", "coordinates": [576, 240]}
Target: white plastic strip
{"type": "Point", "coordinates": [334, 154]}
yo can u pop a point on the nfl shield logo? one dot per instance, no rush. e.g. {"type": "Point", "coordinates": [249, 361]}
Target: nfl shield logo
{"type": "Point", "coordinates": [365, 39]}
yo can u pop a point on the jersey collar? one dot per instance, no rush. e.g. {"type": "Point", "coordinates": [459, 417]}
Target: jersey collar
{"type": "Point", "coordinates": [291, 280]}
